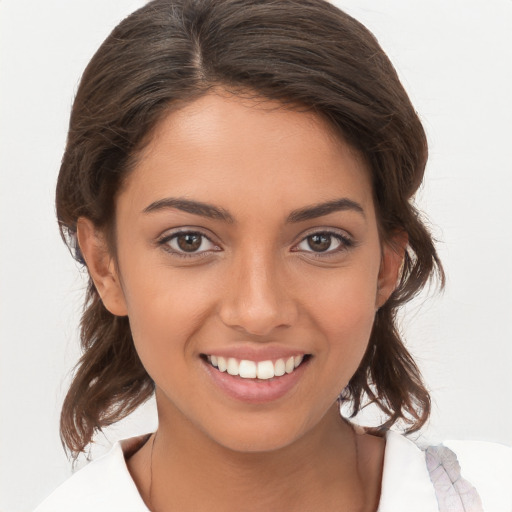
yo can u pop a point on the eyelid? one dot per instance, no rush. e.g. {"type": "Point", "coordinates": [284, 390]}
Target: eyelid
{"type": "Point", "coordinates": [164, 239]}
{"type": "Point", "coordinates": [170, 232]}
{"type": "Point", "coordinates": [346, 241]}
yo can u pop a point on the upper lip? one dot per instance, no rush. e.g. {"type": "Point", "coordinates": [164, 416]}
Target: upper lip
{"type": "Point", "coordinates": [256, 354]}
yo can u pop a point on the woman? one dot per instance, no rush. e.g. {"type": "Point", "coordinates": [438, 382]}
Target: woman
{"type": "Point", "coordinates": [237, 180]}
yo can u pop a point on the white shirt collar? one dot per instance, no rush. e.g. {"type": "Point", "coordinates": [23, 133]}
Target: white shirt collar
{"type": "Point", "coordinates": [105, 485]}
{"type": "Point", "coordinates": [406, 483]}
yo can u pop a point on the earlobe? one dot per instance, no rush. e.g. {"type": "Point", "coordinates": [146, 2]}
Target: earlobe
{"type": "Point", "coordinates": [101, 266]}
{"type": "Point", "coordinates": [390, 268]}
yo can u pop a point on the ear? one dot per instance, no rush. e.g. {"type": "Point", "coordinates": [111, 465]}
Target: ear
{"type": "Point", "coordinates": [393, 251]}
{"type": "Point", "coordinates": [100, 264]}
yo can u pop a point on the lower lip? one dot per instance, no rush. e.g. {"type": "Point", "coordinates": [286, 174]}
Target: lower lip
{"type": "Point", "coordinates": [253, 390]}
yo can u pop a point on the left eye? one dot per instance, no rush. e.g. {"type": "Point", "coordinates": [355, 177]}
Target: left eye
{"type": "Point", "coordinates": [189, 242]}
{"type": "Point", "coordinates": [321, 242]}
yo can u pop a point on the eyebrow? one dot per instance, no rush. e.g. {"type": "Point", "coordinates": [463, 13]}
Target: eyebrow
{"type": "Point", "coordinates": [194, 207]}
{"type": "Point", "coordinates": [321, 209]}
{"type": "Point", "coordinates": [217, 213]}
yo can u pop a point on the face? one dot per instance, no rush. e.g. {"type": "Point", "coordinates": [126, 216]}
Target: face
{"type": "Point", "coordinates": [250, 267]}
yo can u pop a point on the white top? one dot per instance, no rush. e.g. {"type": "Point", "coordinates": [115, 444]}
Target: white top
{"type": "Point", "coordinates": [105, 485]}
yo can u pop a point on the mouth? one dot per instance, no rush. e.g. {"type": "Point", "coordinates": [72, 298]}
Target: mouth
{"type": "Point", "coordinates": [256, 370]}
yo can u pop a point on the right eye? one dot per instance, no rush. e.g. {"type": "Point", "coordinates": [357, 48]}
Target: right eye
{"type": "Point", "coordinates": [188, 243]}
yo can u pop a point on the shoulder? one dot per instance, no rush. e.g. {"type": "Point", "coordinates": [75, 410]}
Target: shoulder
{"type": "Point", "coordinates": [488, 466]}
{"type": "Point", "coordinates": [407, 483]}
{"type": "Point", "coordinates": [103, 485]}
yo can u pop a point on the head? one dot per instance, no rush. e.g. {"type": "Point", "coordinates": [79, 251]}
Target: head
{"type": "Point", "coordinates": [302, 64]}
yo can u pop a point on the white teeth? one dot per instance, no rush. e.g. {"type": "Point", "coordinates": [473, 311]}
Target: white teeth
{"type": "Point", "coordinates": [247, 369]}
{"type": "Point", "coordinates": [222, 364]}
{"type": "Point", "coordinates": [279, 368]}
{"type": "Point", "coordinates": [233, 366]}
{"type": "Point", "coordinates": [263, 370]}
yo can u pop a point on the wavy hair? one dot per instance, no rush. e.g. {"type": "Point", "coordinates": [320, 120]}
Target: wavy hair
{"type": "Point", "coordinates": [299, 52]}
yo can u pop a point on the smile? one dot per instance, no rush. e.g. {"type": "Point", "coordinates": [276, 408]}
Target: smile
{"type": "Point", "coordinates": [262, 370]}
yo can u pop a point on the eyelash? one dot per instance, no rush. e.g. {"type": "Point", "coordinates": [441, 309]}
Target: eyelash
{"type": "Point", "coordinates": [345, 243]}
{"type": "Point", "coordinates": [166, 239]}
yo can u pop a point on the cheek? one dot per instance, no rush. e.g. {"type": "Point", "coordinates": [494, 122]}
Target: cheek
{"type": "Point", "coordinates": [343, 310]}
{"type": "Point", "coordinates": [165, 308]}
{"type": "Point", "coordinates": [347, 320]}
{"type": "Point", "coordinates": [347, 295]}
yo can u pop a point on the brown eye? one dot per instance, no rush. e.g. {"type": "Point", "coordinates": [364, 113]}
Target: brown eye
{"type": "Point", "coordinates": [319, 242]}
{"type": "Point", "coordinates": [324, 242]}
{"type": "Point", "coordinates": [189, 242]}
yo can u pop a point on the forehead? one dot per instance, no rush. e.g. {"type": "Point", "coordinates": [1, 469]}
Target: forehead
{"type": "Point", "coordinates": [224, 148]}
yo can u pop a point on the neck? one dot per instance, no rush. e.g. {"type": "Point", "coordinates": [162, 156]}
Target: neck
{"type": "Point", "coordinates": [185, 470]}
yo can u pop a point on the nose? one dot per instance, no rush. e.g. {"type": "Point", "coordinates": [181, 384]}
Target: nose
{"type": "Point", "coordinates": [257, 298]}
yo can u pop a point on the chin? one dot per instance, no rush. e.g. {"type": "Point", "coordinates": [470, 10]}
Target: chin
{"type": "Point", "coordinates": [255, 444]}
{"type": "Point", "coordinates": [253, 436]}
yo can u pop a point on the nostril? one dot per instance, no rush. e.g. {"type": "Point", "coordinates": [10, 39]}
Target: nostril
{"type": "Point", "coordinates": [254, 322]}
{"type": "Point", "coordinates": [257, 305]}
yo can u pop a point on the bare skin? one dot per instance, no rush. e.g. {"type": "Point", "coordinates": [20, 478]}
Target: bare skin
{"type": "Point", "coordinates": [327, 483]}
{"type": "Point", "coordinates": [248, 231]}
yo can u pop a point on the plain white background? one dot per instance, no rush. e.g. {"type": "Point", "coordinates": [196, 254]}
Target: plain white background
{"type": "Point", "coordinates": [454, 59]}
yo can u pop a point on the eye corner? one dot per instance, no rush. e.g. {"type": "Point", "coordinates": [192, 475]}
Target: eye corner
{"type": "Point", "coordinates": [170, 243]}
{"type": "Point", "coordinates": [342, 243]}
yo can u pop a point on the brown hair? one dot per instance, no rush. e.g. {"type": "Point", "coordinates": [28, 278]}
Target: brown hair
{"type": "Point", "coordinates": [300, 52]}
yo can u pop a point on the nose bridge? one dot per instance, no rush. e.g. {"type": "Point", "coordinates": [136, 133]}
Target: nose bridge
{"type": "Point", "coordinates": [257, 298]}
